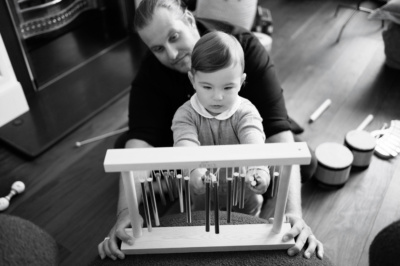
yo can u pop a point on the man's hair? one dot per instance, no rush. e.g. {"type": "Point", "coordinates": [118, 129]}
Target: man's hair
{"type": "Point", "coordinates": [216, 50]}
{"type": "Point", "coordinates": [145, 11]}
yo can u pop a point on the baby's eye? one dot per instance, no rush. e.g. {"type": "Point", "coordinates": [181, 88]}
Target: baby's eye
{"type": "Point", "coordinates": [207, 87]}
{"type": "Point", "coordinates": [228, 88]}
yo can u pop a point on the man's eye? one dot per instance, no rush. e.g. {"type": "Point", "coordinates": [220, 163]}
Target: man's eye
{"type": "Point", "coordinates": [174, 37]}
{"type": "Point", "coordinates": [157, 49]}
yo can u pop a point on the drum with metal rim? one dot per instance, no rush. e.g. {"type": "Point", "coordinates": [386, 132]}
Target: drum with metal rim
{"type": "Point", "coordinates": [334, 164]}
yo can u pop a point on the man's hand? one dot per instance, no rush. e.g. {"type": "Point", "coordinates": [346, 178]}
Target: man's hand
{"type": "Point", "coordinates": [109, 246]}
{"type": "Point", "coordinates": [304, 235]}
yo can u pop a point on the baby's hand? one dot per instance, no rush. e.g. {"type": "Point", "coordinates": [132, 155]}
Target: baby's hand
{"type": "Point", "coordinates": [259, 179]}
{"type": "Point", "coordinates": [197, 185]}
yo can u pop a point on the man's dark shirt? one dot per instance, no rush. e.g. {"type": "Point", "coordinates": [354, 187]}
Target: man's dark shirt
{"type": "Point", "coordinates": [157, 91]}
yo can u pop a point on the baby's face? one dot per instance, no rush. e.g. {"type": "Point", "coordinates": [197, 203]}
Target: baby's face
{"type": "Point", "coordinates": [219, 90]}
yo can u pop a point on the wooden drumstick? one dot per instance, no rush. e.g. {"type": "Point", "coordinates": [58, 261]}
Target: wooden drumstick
{"type": "Point", "coordinates": [167, 183]}
{"type": "Point", "coordinates": [207, 180]}
{"type": "Point", "coordinates": [317, 113]}
{"type": "Point", "coordinates": [17, 188]}
{"type": "Point", "coordinates": [158, 178]}
{"type": "Point", "coordinates": [187, 196]}
{"type": "Point", "coordinates": [109, 134]}
{"type": "Point", "coordinates": [365, 122]}
{"type": "Point", "coordinates": [146, 206]}
{"type": "Point", "coordinates": [180, 192]}
{"type": "Point", "coordinates": [153, 201]}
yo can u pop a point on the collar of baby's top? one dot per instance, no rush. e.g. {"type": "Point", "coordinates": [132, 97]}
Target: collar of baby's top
{"type": "Point", "coordinates": [199, 108]}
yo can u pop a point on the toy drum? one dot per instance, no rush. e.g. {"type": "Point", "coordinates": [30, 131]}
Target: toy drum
{"type": "Point", "coordinates": [362, 145]}
{"type": "Point", "coordinates": [334, 164]}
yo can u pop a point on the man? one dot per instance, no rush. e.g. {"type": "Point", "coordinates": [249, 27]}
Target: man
{"type": "Point", "coordinates": [161, 86]}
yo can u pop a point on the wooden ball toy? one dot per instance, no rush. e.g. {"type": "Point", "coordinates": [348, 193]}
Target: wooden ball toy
{"type": "Point", "coordinates": [17, 188]}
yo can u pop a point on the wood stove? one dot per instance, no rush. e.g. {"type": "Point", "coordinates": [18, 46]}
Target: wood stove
{"type": "Point", "coordinates": [72, 57]}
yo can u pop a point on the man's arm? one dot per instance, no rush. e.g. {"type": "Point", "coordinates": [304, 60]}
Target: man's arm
{"type": "Point", "coordinates": [109, 246]}
{"type": "Point", "coordinates": [300, 230]}
{"type": "Point", "coordinates": [122, 204]}
{"type": "Point", "coordinates": [293, 205]}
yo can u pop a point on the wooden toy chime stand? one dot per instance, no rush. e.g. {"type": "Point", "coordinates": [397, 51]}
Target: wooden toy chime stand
{"type": "Point", "coordinates": [195, 238]}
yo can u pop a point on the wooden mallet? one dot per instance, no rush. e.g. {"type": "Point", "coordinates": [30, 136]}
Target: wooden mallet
{"type": "Point", "coordinates": [17, 188]}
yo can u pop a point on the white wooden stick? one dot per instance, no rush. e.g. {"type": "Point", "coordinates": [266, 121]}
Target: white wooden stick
{"type": "Point", "coordinates": [184, 239]}
{"type": "Point", "coordinates": [133, 206]}
{"type": "Point", "coordinates": [317, 113]}
{"type": "Point", "coordinates": [109, 134]}
{"type": "Point", "coordinates": [365, 123]}
{"type": "Point", "coordinates": [283, 191]}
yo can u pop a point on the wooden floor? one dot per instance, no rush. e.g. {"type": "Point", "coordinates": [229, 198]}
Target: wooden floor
{"type": "Point", "coordinates": [69, 195]}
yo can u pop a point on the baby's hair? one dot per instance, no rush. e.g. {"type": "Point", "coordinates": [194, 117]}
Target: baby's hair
{"type": "Point", "coordinates": [145, 11]}
{"type": "Point", "coordinates": [216, 50]}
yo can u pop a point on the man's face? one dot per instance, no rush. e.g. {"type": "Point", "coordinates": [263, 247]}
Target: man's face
{"type": "Point", "coordinates": [171, 38]}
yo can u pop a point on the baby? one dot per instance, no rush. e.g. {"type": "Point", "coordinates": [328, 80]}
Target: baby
{"type": "Point", "coordinates": [217, 115]}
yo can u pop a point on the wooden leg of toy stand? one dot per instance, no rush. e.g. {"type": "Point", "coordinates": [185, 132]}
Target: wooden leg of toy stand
{"type": "Point", "coordinates": [282, 195]}
{"type": "Point", "coordinates": [133, 206]}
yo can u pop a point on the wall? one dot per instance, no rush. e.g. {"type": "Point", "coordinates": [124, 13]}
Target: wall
{"type": "Point", "coordinates": [12, 99]}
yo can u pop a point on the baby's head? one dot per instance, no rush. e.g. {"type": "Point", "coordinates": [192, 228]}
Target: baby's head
{"type": "Point", "coordinates": [217, 71]}
{"type": "Point", "coordinates": [216, 50]}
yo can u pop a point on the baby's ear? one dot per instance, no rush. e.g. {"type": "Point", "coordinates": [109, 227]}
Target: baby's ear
{"type": "Point", "coordinates": [243, 79]}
